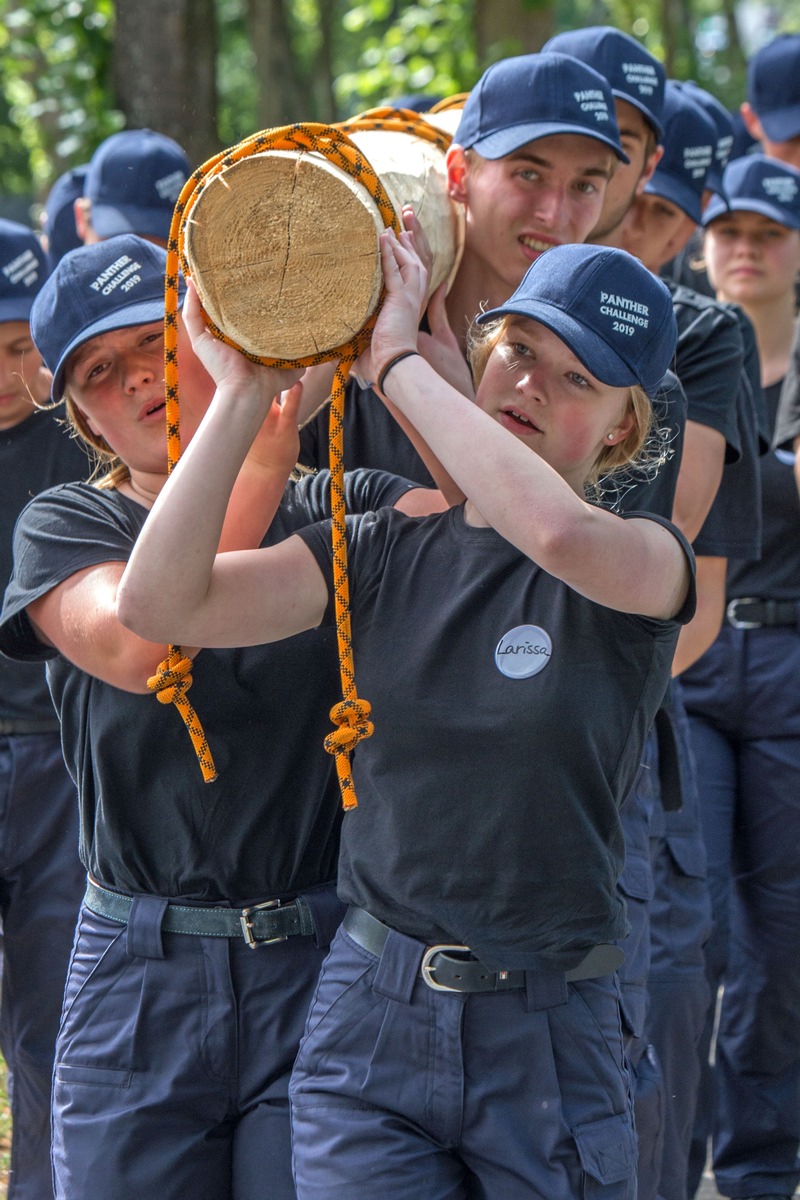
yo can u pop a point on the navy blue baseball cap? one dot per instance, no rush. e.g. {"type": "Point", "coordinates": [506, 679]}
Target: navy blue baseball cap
{"type": "Point", "coordinates": [633, 74]}
{"type": "Point", "coordinates": [94, 289]}
{"type": "Point", "coordinates": [773, 87]}
{"type": "Point", "coordinates": [759, 184]}
{"type": "Point", "coordinates": [519, 100]}
{"type": "Point", "coordinates": [59, 214]}
{"type": "Point", "coordinates": [690, 139]}
{"type": "Point", "coordinates": [23, 270]}
{"type": "Point", "coordinates": [614, 314]}
{"type": "Point", "coordinates": [722, 120]}
{"type": "Point", "coordinates": [133, 181]}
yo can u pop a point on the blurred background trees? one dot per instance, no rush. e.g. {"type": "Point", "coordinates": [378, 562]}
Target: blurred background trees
{"type": "Point", "coordinates": [210, 72]}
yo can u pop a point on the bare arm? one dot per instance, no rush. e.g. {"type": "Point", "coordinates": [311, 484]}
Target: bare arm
{"type": "Point", "coordinates": [79, 618]}
{"type": "Point", "coordinates": [176, 587]}
{"type": "Point", "coordinates": [696, 637]}
{"type": "Point", "coordinates": [699, 478]}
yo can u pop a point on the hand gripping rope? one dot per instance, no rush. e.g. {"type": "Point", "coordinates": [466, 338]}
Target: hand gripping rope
{"type": "Point", "coordinates": [172, 681]}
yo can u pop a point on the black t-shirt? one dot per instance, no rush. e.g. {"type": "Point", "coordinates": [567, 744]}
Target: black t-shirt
{"type": "Point", "coordinates": [372, 438]}
{"type": "Point", "coordinates": [708, 361]}
{"type": "Point", "coordinates": [733, 526]}
{"type": "Point", "coordinates": [776, 576]}
{"type": "Point", "coordinates": [34, 455]}
{"type": "Point", "coordinates": [268, 825]}
{"type": "Point", "coordinates": [510, 714]}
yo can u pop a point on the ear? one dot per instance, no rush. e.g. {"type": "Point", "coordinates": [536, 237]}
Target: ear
{"type": "Point", "coordinates": [457, 169]}
{"type": "Point", "coordinates": [649, 167]}
{"type": "Point", "coordinates": [82, 208]}
{"type": "Point", "coordinates": [621, 429]}
{"type": "Point", "coordinates": [751, 122]}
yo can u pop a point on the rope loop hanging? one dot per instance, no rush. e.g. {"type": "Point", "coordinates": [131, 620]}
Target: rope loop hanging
{"type": "Point", "coordinates": [351, 715]}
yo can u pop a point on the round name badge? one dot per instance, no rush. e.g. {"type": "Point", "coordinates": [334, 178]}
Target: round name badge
{"type": "Point", "coordinates": [523, 651]}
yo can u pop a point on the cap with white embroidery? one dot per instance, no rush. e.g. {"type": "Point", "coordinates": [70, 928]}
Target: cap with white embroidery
{"type": "Point", "coordinates": [759, 184]}
{"type": "Point", "coordinates": [614, 314]}
{"type": "Point", "coordinates": [133, 181]}
{"type": "Point", "coordinates": [23, 270]}
{"type": "Point", "coordinates": [109, 285]}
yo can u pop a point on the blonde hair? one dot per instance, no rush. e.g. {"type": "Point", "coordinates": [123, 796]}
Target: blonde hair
{"type": "Point", "coordinates": [109, 469]}
{"type": "Point", "coordinates": [629, 452]}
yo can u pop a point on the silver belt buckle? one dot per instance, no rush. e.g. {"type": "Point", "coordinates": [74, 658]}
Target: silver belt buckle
{"type": "Point", "coordinates": [737, 622]}
{"type": "Point", "coordinates": [247, 925]}
{"type": "Point", "coordinates": [426, 969]}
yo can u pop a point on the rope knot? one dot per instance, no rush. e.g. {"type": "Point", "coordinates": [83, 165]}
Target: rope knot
{"type": "Point", "coordinates": [171, 682]}
{"type": "Point", "coordinates": [352, 718]}
{"type": "Point", "coordinates": [172, 679]}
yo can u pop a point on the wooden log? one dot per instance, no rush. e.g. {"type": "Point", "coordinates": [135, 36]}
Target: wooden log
{"type": "Point", "coordinates": [283, 245]}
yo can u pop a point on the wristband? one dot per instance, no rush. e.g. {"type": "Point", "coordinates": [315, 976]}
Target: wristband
{"type": "Point", "coordinates": [393, 363]}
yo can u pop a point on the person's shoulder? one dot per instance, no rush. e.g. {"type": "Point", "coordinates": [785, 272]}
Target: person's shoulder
{"type": "Point", "coordinates": [67, 507]}
{"type": "Point", "coordinates": [696, 311]}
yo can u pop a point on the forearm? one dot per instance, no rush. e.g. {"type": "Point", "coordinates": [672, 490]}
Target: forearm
{"type": "Point", "coordinates": [449, 489]}
{"type": "Point", "coordinates": [702, 461]}
{"type": "Point", "coordinates": [170, 567]}
{"type": "Point", "coordinates": [255, 499]}
{"type": "Point", "coordinates": [485, 462]}
{"type": "Point", "coordinates": [701, 632]}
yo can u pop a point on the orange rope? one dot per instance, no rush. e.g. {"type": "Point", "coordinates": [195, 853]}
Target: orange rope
{"type": "Point", "coordinates": [351, 715]}
{"type": "Point", "coordinates": [456, 101]}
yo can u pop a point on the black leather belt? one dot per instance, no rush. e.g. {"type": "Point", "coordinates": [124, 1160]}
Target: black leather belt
{"type": "Point", "coordinates": [449, 968]}
{"type": "Point", "coordinates": [45, 725]}
{"type": "Point", "coordinates": [259, 925]}
{"type": "Point", "coordinates": [749, 612]}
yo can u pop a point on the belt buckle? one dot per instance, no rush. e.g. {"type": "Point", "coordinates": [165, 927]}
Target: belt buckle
{"type": "Point", "coordinates": [247, 925]}
{"type": "Point", "coordinates": [737, 622]}
{"type": "Point", "coordinates": [426, 969]}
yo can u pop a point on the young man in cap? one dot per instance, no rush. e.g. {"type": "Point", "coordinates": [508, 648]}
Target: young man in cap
{"type": "Point", "coordinates": [41, 880]}
{"type": "Point", "coordinates": [132, 183]}
{"type": "Point", "coordinates": [771, 112]}
{"type": "Point", "coordinates": [636, 80]}
{"type": "Point", "coordinates": [530, 163]}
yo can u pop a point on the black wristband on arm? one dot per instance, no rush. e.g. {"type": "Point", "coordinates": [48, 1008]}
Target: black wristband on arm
{"type": "Point", "coordinates": [393, 363]}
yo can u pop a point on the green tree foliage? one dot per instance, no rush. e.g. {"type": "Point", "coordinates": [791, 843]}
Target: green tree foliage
{"type": "Point", "coordinates": [55, 102]}
{"type": "Point", "coordinates": [396, 49]}
{"type": "Point", "coordinates": [56, 92]}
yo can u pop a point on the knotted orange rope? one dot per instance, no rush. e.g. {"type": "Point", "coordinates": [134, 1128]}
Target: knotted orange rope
{"type": "Point", "coordinates": [170, 684]}
{"type": "Point", "coordinates": [351, 715]}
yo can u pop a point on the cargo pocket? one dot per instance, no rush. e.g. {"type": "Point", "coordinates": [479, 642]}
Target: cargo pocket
{"type": "Point", "coordinates": [607, 1150]}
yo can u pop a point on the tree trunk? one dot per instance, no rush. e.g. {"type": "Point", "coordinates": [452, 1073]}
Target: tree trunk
{"type": "Point", "coordinates": [164, 70]}
{"type": "Point", "coordinates": [280, 98]}
{"type": "Point", "coordinates": [325, 106]}
{"type": "Point", "coordinates": [506, 27]}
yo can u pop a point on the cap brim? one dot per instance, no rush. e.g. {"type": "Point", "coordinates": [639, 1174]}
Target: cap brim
{"type": "Point", "coordinates": [782, 124]}
{"type": "Point", "coordinates": [596, 355]}
{"type": "Point", "coordinates": [506, 141]}
{"type": "Point", "coordinates": [656, 126]}
{"type": "Point", "coordinates": [16, 308]}
{"type": "Point", "coordinates": [677, 192]}
{"type": "Point", "coordinates": [719, 207]}
{"type": "Point", "coordinates": [108, 222]}
{"type": "Point", "coordinates": [143, 313]}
